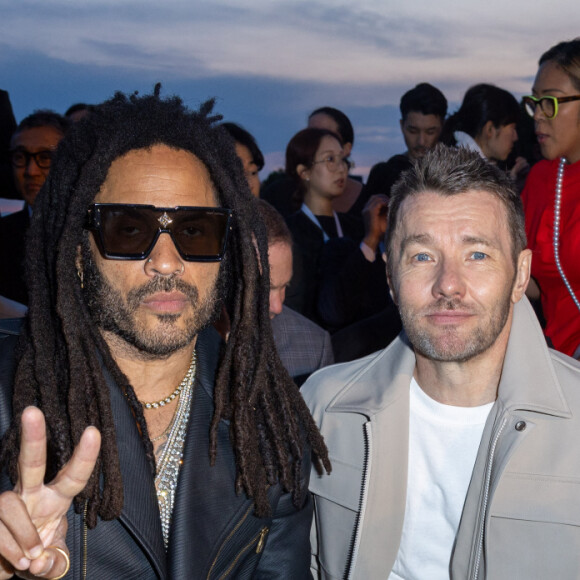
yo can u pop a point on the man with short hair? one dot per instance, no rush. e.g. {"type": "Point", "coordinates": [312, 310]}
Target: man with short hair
{"type": "Point", "coordinates": [454, 449]}
{"type": "Point", "coordinates": [302, 345]}
{"type": "Point", "coordinates": [32, 147]}
{"type": "Point", "coordinates": [423, 111]}
{"type": "Point", "coordinates": [140, 445]}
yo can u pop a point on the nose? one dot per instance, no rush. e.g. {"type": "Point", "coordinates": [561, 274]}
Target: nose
{"type": "Point", "coordinates": [276, 301]}
{"type": "Point", "coordinates": [449, 281]}
{"type": "Point", "coordinates": [31, 168]}
{"type": "Point", "coordinates": [538, 113]}
{"type": "Point", "coordinates": [164, 259]}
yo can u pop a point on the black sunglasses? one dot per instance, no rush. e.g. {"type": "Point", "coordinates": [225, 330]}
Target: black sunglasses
{"type": "Point", "coordinates": [130, 231]}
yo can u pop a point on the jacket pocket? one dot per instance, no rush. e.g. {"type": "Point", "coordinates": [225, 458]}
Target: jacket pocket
{"type": "Point", "coordinates": [534, 528]}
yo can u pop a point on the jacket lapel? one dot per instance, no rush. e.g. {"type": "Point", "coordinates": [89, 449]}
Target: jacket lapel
{"type": "Point", "coordinates": [140, 514]}
{"type": "Point", "coordinates": [382, 394]}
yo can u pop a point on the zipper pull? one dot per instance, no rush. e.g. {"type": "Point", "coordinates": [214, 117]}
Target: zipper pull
{"type": "Point", "coordinates": [261, 540]}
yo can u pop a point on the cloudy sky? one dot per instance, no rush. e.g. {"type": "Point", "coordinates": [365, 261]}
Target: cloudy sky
{"type": "Point", "coordinates": [270, 62]}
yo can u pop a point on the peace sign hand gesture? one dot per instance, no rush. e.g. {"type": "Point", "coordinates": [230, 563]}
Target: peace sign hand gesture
{"type": "Point", "coordinates": [33, 520]}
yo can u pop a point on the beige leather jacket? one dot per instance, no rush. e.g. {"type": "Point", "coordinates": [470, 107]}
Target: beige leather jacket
{"type": "Point", "coordinates": [522, 512]}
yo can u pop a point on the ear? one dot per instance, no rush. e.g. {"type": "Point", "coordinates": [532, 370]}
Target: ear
{"type": "Point", "coordinates": [522, 278]}
{"type": "Point", "coordinates": [303, 172]}
{"type": "Point", "coordinates": [488, 130]}
{"type": "Point", "coordinates": [347, 149]}
{"type": "Point", "coordinates": [401, 123]}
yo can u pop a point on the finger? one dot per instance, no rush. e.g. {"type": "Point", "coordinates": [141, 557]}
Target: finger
{"type": "Point", "coordinates": [73, 477]}
{"type": "Point", "coordinates": [19, 540]}
{"type": "Point", "coordinates": [51, 564]}
{"type": "Point", "coordinates": [32, 457]}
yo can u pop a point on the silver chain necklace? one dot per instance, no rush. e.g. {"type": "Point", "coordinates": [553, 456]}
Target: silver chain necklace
{"type": "Point", "coordinates": [556, 235]}
{"type": "Point", "coordinates": [171, 457]}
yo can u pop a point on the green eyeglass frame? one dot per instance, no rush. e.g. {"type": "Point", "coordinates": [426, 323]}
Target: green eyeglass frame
{"type": "Point", "coordinates": [548, 104]}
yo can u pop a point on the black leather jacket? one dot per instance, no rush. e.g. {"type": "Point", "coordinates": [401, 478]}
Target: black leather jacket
{"type": "Point", "coordinates": [214, 533]}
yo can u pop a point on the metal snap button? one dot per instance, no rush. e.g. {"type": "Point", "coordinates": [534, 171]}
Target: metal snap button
{"type": "Point", "coordinates": [520, 425]}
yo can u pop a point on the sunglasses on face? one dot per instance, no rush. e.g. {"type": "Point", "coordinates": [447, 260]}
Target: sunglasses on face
{"type": "Point", "coordinates": [548, 104]}
{"type": "Point", "coordinates": [130, 231]}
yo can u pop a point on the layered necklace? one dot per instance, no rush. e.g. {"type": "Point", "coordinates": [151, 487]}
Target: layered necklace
{"type": "Point", "coordinates": [170, 459]}
{"type": "Point", "coordinates": [556, 234]}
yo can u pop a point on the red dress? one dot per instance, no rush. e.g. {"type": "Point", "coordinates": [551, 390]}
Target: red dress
{"type": "Point", "coordinates": [562, 315]}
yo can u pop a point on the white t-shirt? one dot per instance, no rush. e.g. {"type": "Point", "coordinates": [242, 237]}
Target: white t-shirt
{"type": "Point", "coordinates": [443, 444]}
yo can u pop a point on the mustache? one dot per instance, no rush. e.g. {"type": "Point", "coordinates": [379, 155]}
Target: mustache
{"type": "Point", "coordinates": [161, 284]}
{"type": "Point", "coordinates": [444, 304]}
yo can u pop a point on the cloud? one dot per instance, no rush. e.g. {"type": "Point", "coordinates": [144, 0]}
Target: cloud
{"type": "Point", "coordinates": [371, 43]}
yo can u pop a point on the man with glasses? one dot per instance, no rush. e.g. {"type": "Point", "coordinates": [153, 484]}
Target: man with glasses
{"type": "Point", "coordinates": [142, 447]}
{"type": "Point", "coordinates": [31, 150]}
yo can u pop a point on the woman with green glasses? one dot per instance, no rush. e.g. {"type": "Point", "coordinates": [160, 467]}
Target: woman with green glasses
{"type": "Point", "coordinates": [552, 195]}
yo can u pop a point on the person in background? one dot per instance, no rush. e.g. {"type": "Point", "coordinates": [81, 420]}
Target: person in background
{"type": "Point", "coordinates": [281, 192]}
{"type": "Point", "coordinates": [486, 122]}
{"type": "Point", "coordinates": [7, 128]}
{"type": "Point", "coordinates": [318, 167]}
{"type": "Point", "coordinates": [551, 195]}
{"type": "Point", "coordinates": [249, 153]}
{"type": "Point", "coordinates": [336, 121]}
{"type": "Point", "coordinates": [302, 345]}
{"type": "Point", "coordinates": [32, 148]}
{"type": "Point", "coordinates": [78, 111]}
{"type": "Point", "coordinates": [423, 110]}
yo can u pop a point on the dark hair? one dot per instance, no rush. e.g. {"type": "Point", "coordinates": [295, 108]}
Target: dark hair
{"type": "Point", "coordinates": [78, 107]}
{"type": "Point", "coordinates": [451, 171]}
{"type": "Point", "coordinates": [567, 56]}
{"type": "Point", "coordinates": [425, 99]}
{"type": "Point", "coordinates": [276, 229]}
{"type": "Point", "coordinates": [44, 118]}
{"type": "Point", "coordinates": [481, 103]}
{"type": "Point", "coordinates": [345, 130]}
{"type": "Point", "coordinates": [241, 136]}
{"type": "Point", "coordinates": [301, 150]}
{"type": "Point", "coordinates": [63, 358]}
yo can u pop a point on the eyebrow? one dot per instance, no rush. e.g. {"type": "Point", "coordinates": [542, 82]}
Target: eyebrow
{"type": "Point", "coordinates": [429, 239]}
{"type": "Point", "coordinates": [546, 92]}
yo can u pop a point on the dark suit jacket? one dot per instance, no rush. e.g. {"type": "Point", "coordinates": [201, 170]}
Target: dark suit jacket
{"type": "Point", "coordinates": [13, 230]}
{"type": "Point", "coordinates": [302, 345]}
{"type": "Point", "coordinates": [214, 531]}
{"type": "Point", "coordinates": [302, 295]}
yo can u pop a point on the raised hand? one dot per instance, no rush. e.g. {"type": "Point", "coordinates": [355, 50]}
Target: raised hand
{"type": "Point", "coordinates": [33, 520]}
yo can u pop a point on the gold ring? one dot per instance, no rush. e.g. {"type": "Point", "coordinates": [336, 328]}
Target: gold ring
{"type": "Point", "coordinates": [66, 557]}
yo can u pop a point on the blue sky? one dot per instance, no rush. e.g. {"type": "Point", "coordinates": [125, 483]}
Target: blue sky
{"type": "Point", "coordinates": [270, 62]}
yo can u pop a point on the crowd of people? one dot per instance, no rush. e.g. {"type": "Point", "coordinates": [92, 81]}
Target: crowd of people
{"type": "Point", "coordinates": [148, 255]}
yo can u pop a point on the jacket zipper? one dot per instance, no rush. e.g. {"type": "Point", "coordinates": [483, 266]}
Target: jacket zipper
{"type": "Point", "coordinates": [485, 501]}
{"type": "Point", "coordinates": [363, 501]}
{"type": "Point", "coordinates": [84, 541]}
{"type": "Point", "coordinates": [235, 529]}
{"type": "Point", "coordinates": [260, 538]}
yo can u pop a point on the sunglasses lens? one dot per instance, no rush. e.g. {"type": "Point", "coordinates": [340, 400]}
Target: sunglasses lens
{"type": "Point", "coordinates": [130, 232]}
{"type": "Point", "coordinates": [126, 232]}
{"type": "Point", "coordinates": [200, 233]}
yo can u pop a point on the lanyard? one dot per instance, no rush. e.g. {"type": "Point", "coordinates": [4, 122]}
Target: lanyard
{"type": "Point", "coordinates": [308, 213]}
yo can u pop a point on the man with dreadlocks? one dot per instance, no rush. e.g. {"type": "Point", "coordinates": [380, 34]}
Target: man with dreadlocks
{"type": "Point", "coordinates": [135, 444]}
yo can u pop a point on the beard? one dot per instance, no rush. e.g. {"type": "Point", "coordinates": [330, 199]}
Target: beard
{"type": "Point", "coordinates": [450, 344]}
{"type": "Point", "coordinates": [113, 313]}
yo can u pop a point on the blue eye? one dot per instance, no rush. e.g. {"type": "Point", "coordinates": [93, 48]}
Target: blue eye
{"type": "Point", "coordinates": [422, 257]}
{"type": "Point", "coordinates": [478, 256]}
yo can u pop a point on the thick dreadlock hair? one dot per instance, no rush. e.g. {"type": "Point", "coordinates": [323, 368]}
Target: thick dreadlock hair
{"type": "Point", "coordinates": [62, 357]}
